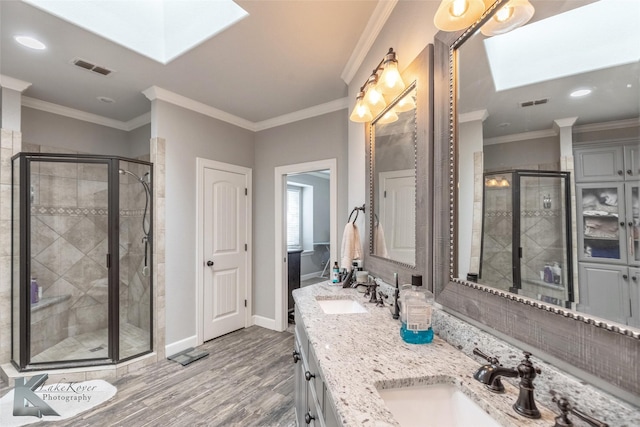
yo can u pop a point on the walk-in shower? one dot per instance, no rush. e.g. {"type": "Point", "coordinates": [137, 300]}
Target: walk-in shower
{"type": "Point", "coordinates": [81, 260]}
{"type": "Point", "coordinates": [526, 234]}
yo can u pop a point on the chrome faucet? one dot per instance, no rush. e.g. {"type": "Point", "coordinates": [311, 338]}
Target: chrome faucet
{"type": "Point", "coordinates": [490, 376]}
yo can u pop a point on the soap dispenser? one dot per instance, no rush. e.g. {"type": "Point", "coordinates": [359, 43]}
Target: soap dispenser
{"type": "Point", "coordinates": [417, 307]}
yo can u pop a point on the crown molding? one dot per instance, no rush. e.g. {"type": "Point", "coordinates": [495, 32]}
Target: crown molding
{"type": "Point", "coordinates": [618, 124]}
{"type": "Point", "coordinates": [537, 134]}
{"type": "Point", "coordinates": [367, 38]}
{"type": "Point", "coordinates": [473, 116]}
{"type": "Point", "coordinates": [60, 110]}
{"type": "Point", "coordinates": [155, 92]}
{"type": "Point", "coordinates": [13, 83]}
{"type": "Point", "coordinates": [318, 110]}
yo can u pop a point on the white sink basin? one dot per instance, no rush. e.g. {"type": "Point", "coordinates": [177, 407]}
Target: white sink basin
{"type": "Point", "coordinates": [438, 405]}
{"type": "Point", "coordinates": [341, 306]}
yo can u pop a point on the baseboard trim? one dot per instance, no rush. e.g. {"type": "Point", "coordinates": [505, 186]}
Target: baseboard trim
{"type": "Point", "coordinates": [178, 346]}
{"type": "Point", "coordinates": [264, 322]}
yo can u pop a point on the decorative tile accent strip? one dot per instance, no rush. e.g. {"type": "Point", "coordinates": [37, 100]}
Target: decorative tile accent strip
{"type": "Point", "coordinates": [74, 211]}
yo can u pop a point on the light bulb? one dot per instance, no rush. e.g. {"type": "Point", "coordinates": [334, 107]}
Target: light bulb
{"type": "Point", "coordinates": [458, 7]}
{"type": "Point", "coordinates": [372, 98]}
{"type": "Point", "coordinates": [388, 117]}
{"type": "Point", "coordinates": [361, 113]}
{"type": "Point", "coordinates": [504, 14]}
{"type": "Point", "coordinates": [390, 80]}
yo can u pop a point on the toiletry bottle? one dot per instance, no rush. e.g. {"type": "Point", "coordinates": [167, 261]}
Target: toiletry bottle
{"type": "Point", "coordinates": [417, 306]}
{"type": "Point", "coordinates": [335, 273]}
{"type": "Point", "coordinates": [548, 274]}
{"type": "Point", "coordinates": [557, 273]}
{"type": "Point", "coordinates": [34, 290]}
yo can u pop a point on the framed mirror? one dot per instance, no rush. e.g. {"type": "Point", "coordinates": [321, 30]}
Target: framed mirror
{"type": "Point", "coordinates": [393, 174]}
{"type": "Point", "coordinates": [398, 153]}
{"type": "Point", "coordinates": [537, 182]}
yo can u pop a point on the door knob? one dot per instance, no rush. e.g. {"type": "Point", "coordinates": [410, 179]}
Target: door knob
{"type": "Point", "coordinates": [209, 263]}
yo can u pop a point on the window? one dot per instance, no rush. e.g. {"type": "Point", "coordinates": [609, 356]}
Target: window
{"type": "Point", "coordinates": [294, 217]}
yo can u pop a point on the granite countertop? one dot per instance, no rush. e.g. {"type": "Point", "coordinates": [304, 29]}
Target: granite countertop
{"type": "Point", "coordinates": [358, 353]}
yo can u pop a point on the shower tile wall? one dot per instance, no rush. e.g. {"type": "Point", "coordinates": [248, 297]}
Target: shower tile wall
{"type": "Point", "coordinates": [497, 238]}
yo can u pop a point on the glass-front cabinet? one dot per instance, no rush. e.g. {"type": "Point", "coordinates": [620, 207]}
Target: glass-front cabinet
{"type": "Point", "coordinates": [633, 222]}
{"type": "Point", "coordinates": [602, 227]}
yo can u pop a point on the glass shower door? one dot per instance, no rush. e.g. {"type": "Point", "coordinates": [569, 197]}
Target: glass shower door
{"type": "Point", "coordinates": [68, 248]}
{"type": "Point", "coordinates": [545, 268]}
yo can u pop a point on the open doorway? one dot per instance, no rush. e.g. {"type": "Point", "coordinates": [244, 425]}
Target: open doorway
{"type": "Point", "coordinates": [306, 227]}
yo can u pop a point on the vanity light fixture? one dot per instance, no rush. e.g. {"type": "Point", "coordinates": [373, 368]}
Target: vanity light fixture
{"type": "Point", "coordinates": [378, 90]}
{"type": "Point", "coordinates": [514, 14]}
{"type": "Point", "coordinates": [454, 15]}
{"type": "Point", "coordinates": [30, 42]}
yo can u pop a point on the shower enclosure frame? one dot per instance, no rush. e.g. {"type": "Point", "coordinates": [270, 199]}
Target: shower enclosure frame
{"type": "Point", "coordinates": [23, 361]}
{"type": "Point", "coordinates": [516, 251]}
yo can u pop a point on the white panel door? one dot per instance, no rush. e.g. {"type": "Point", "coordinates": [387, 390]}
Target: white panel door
{"type": "Point", "coordinates": [225, 235]}
{"type": "Point", "coordinates": [398, 214]}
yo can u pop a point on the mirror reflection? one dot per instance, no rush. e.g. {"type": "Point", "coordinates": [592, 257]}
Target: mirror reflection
{"type": "Point", "coordinates": [549, 158]}
{"type": "Point", "coordinates": [394, 181]}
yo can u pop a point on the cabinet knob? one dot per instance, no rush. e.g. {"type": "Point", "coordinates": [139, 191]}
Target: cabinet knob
{"type": "Point", "coordinates": [308, 375]}
{"type": "Point", "coordinates": [620, 172]}
{"type": "Point", "coordinates": [621, 223]}
{"type": "Point", "coordinates": [630, 224]}
{"type": "Point", "coordinates": [625, 277]}
{"type": "Point", "coordinates": [629, 172]}
{"type": "Point", "coordinates": [308, 417]}
{"type": "Point", "coordinates": [634, 278]}
{"type": "Point", "coordinates": [209, 263]}
{"type": "Point", "coordinates": [296, 356]}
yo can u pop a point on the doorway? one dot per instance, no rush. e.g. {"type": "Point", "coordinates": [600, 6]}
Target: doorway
{"type": "Point", "coordinates": [223, 261]}
{"type": "Point", "coordinates": [287, 180]}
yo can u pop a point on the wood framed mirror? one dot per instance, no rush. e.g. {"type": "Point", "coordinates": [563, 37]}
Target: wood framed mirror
{"type": "Point", "coordinates": [568, 330]}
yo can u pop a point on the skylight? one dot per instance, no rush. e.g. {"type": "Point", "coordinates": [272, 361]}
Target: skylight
{"type": "Point", "coordinates": [159, 29]}
{"type": "Point", "coordinates": [549, 49]}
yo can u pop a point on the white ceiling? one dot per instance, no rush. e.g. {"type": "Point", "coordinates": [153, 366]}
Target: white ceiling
{"type": "Point", "coordinates": [284, 57]}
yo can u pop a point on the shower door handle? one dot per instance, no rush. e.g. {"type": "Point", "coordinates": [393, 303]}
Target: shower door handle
{"type": "Point", "coordinates": [209, 263]}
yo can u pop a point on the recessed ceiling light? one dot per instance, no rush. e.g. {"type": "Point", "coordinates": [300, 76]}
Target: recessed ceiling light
{"type": "Point", "coordinates": [580, 92]}
{"type": "Point", "coordinates": [30, 42]}
{"type": "Point", "coordinates": [106, 100]}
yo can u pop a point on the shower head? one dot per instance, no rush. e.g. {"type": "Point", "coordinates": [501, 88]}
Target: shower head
{"type": "Point", "coordinates": [123, 171]}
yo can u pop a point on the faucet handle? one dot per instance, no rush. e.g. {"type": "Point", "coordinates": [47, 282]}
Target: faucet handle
{"type": "Point", "coordinates": [491, 359]}
{"type": "Point", "coordinates": [565, 407]}
{"type": "Point", "coordinates": [526, 369]}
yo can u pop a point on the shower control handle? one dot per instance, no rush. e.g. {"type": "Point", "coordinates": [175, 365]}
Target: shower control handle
{"type": "Point", "coordinates": [209, 263]}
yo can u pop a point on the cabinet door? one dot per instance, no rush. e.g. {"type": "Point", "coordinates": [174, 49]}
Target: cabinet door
{"type": "Point", "coordinates": [602, 229]}
{"type": "Point", "coordinates": [330, 415]}
{"type": "Point", "coordinates": [632, 161]}
{"type": "Point", "coordinates": [300, 388]}
{"type": "Point", "coordinates": [632, 202]}
{"type": "Point", "coordinates": [599, 164]}
{"type": "Point", "coordinates": [634, 294]}
{"type": "Point", "coordinates": [604, 291]}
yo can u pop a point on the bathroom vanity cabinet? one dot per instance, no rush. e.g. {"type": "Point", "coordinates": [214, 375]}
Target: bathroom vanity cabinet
{"type": "Point", "coordinates": [311, 406]}
{"type": "Point", "coordinates": [607, 162]}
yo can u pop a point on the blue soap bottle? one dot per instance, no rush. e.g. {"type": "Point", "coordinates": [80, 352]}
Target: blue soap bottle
{"type": "Point", "coordinates": [417, 306]}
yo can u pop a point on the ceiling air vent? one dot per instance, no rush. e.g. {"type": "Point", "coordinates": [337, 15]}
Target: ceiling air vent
{"type": "Point", "coordinates": [91, 67]}
{"type": "Point", "coordinates": [532, 103]}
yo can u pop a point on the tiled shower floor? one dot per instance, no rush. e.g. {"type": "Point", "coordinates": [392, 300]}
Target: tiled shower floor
{"type": "Point", "coordinates": [93, 345]}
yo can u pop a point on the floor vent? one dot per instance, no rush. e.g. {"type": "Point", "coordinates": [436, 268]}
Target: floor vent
{"type": "Point", "coordinates": [91, 67]}
{"type": "Point", "coordinates": [532, 103]}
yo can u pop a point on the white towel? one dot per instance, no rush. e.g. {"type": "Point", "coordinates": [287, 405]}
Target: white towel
{"type": "Point", "coordinates": [351, 247]}
{"type": "Point", "coordinates": [379, 244]}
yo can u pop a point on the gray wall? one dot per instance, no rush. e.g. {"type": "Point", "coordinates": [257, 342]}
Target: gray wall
{"type": "Point", "coordinates": [521, 154]}
{"type": "Point", "coordinates": [52, 130]}
{"type": "Point", "coordinates": [317, 138]}
{"type": "Point", "coordinates": [189, 135]}
{"type": "Point", "coordinates": [138, 140]}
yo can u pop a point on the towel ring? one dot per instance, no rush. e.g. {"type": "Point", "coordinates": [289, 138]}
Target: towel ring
{"type": "Point", "coordinates": [357, 210]}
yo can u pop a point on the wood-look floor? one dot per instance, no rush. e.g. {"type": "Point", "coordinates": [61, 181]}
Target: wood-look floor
{"type": "Point", "coordinates": [247, 380]}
